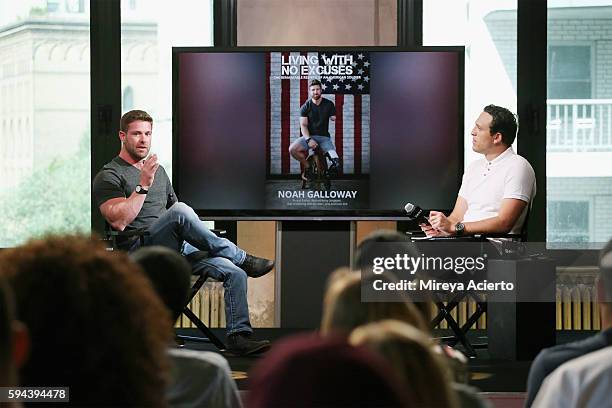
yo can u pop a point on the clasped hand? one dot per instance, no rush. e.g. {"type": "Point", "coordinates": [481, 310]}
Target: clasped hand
{"type": "Point", "coordinates": [439, 225]}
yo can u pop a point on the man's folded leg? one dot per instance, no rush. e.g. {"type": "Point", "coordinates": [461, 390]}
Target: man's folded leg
{"type": "Point", "coordinates": [180, 223]}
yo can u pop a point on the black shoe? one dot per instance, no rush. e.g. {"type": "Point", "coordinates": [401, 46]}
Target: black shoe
{"type": "Point", "coordinates": [240, 344]}
{"type": "Point", "coordinates": [334, 169]}
{"type": "Point", "coordinates": [255, 266]}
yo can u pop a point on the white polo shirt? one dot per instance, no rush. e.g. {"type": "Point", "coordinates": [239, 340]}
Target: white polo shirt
{"type": "Point", "coordinates": [486, 183]}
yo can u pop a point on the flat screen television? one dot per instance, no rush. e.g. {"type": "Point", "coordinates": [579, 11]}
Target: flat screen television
{"type": "Point", "coordinates": [395, 121]}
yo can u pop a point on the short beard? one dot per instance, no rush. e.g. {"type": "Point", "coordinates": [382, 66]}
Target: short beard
{"type": "Point", "coordinates": [135, 155]}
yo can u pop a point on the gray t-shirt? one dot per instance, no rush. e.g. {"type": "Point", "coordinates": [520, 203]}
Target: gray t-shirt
{"type": "Point", "coordinates": [118, 178]}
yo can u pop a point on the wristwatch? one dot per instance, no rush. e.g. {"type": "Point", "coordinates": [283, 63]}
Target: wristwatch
{"type": "Point", "coordinates": [141, 190]}
{"type": "Point", "coordinates": [459, 228]}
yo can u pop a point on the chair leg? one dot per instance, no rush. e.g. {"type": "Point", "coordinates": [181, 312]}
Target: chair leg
{"type": "Point", "coordinates": [460, 336]}
{"type": "Point", "coordinates": [459, 332]}
{"type": "Point", "coordinates": [210, 336]}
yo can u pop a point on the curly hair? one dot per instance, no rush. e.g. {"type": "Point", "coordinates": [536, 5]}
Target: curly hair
{"type": "Point", "coordinates": [95, 322]}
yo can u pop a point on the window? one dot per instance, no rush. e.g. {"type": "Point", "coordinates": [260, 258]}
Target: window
{"type": "Point", "coordinates": [45, 166]}
{"type": "Point", "coordinates": [149, 30]}
{"type": "Point", "coordinates": [569, 72]}
{"type": "Point", "coordinates": [488, 31]}
{"type": "Point", "coordinates": [568, 221]}
{"type": "Point", "coordinates": [53, 6]}
{"type": "Point", "coordinates": [128, 99]}
{"type": "Point", "coordinates": [579, 122]}
{"type": "Point", "coordinates": [317, 22]}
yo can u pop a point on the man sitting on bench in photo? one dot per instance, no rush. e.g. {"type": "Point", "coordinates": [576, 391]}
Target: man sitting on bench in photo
{"type": "Point", "coordinates": [315, 115]}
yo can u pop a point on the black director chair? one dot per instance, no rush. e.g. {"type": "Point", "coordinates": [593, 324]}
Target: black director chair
{"type": "Point", "coordinates": [193, 259]}
{"type": "Point", "coordinates": [511, 247]}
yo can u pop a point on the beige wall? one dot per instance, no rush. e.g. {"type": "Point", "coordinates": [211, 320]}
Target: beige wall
{"type": "Point", "coordinates": [317, 22]}
{"type": "Point", "coordinates": [364, 228]}
{"type": "Point", "coordinates": [259, 238]}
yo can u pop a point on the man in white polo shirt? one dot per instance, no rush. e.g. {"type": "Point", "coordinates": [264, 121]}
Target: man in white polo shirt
{"type": "Point", "coordinates": [496, 190]}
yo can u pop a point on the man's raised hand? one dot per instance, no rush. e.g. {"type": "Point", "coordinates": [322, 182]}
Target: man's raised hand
{"type": "Point", "coordinates": [147, 174]}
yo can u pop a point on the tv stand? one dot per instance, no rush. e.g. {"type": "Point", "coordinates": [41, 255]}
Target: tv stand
{"type": "Point", "coordinates": [308, 252]}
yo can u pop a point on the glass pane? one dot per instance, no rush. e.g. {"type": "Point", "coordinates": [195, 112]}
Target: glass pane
{"type": "Point", "coordinates": [569, 62]}
{"type": "Point", "coordinates": [579, 122]}
{"type": "Point", "coordinates": [149, 30]}
{"type": "Point", "coordinates": [569, 220]}
{"type": "Point", "coordinates": [488, 31]}
{"type": "Point", "coordinates": [317, 22]}
{"type": "Point", "coordinates": [44, 115]}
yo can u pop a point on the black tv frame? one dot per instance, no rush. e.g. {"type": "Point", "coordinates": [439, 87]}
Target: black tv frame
{"type": "Point", "coordinates": [313, 215]}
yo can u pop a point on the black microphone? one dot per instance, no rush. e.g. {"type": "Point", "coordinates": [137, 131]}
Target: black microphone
{"type": "Point", "coordinates": [416, 213]}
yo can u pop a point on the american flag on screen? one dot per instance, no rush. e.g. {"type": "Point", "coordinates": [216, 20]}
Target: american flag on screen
{"type": "Point", "coordinates": [285, 95]}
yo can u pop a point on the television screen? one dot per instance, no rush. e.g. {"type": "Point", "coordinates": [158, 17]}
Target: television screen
{"type": "Point", "coordinates": [317, 133]}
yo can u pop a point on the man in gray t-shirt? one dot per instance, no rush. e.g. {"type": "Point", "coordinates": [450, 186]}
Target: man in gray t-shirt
{"type": "Point", "coordinates": [315, 115]}
{"type": "Point", "coordinates": [134, 192]}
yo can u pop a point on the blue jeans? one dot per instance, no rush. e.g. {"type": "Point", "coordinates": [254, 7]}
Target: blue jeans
{"type": "Point", "coordinates": [181, 229]}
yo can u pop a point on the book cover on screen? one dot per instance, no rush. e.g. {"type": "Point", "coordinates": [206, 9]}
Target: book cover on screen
{"type": "Point", "coordinates": [339, 110]}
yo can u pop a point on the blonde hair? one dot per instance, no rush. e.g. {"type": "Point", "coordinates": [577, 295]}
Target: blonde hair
{"type": "Point", "coordinates": [343, 309]}
{"type": "Point", "coordinates": [409, 351]}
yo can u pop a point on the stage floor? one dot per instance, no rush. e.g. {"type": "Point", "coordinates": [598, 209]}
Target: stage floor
{"type": "Point", "coordinates": [486, 374]}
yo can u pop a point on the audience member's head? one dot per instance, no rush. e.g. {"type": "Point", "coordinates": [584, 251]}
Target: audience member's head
{"type": "Point", "coordinates": [605, 285]}
{"type": "Point", "coordinates": [308, 371]}
{"type": "Point", "coordinates": [343, 309]}
{"type": "Point", "coordinates": [409, 352]}
{"type": "Point", "coordinates": [13, 338]}
{"type": "Point", "coordinates": [95, 322]}
{"type": "Point", "coordinates": [389, 243]}
{"type": "Point", "coordinates": [170, 274]}
{"type": "Point", "coordinates": [370, 247]}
